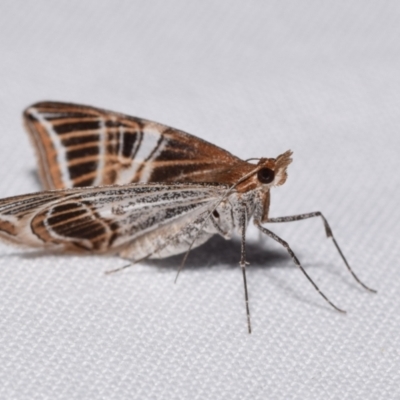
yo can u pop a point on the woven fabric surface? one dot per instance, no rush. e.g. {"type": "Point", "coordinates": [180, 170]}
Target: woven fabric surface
{"type": "Point", "coordinates": [256, 78]}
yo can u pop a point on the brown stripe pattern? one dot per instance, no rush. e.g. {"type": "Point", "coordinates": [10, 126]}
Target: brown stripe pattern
{"type": "Point", "coordinates": [84, 146]}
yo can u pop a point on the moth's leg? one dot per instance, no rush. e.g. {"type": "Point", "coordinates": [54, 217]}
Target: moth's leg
{"type": "Point", "coordinates": [131, 263]}
{"type": "Point", "coordinates": [329, 234]}
{"type": "Point", "coordinates": [243, 264]}
{"type": "Point", "coordinates": [213, 215]}
{"type": "Point", "coordinates": [295, 259]}
{"type": "Point", "coordinates": [202, 222]}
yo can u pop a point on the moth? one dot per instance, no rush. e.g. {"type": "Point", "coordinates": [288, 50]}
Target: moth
{"type": "Point", "coordinates": [116, 184]}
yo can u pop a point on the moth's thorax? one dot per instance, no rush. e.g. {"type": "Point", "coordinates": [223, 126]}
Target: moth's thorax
{"type": "Point", "coordinates": [229, 212]}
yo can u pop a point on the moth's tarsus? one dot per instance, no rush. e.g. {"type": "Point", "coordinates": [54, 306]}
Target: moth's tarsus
{"type": "Point", "coordinates": [180, 268]}
{"type": "Point", "coordinates": [113, 271]}
{"type": "Point", "coordinates": [131, 264]}
{"type": "Point", "coordinates": [243, 264]}
{"type": "Point", "coordinates": [184, 261]}
{"type": "Point", "coordinates": [246, 296]}
{"type": "Point", "coordinates": [350, 269]}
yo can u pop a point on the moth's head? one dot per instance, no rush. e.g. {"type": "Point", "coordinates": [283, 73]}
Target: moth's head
{"type": "Point", "coordinates": [267, 173]}
{"type": "Point", "coordinates": [272, 171]}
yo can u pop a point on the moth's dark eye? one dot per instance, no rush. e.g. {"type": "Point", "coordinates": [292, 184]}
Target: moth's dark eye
{"type": "Point", "coordinates": [265, 175]}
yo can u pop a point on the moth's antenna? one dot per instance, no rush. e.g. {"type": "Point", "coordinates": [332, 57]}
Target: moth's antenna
{"type": "Point", "coordinates": [253, 159]}
{"type": "Point", "coordinates": [223, 197]}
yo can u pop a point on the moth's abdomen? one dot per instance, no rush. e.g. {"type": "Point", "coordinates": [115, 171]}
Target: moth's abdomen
{"type": "Point", "coordinates": [188, 231]}
{"type": "Point", "coordinates": [167, 241]}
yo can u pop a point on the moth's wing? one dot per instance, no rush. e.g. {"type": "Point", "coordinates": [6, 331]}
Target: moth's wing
{"type": "Point", "coordinates": [101, 219]}
{"type": "Point", "coordinates": [85, 146]}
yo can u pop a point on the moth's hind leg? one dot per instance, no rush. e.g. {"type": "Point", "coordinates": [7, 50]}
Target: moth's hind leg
{"type": "Point", "coordinates": [130, 264]}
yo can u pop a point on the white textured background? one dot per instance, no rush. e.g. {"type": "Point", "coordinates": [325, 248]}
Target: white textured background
{"type": "Point", "coordinates": [257, 78]}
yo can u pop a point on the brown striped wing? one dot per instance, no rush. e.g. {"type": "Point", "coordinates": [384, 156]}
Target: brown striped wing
{"type": "Point", "coordinates": [85, 146]}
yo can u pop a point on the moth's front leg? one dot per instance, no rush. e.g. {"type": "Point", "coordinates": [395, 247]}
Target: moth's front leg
{"type": "Point", "coordinates": [329, 234]}
{"type": "Point", "coordinates": [299, 217]}
{"type": "Point", "coordinates": [286, 245]}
